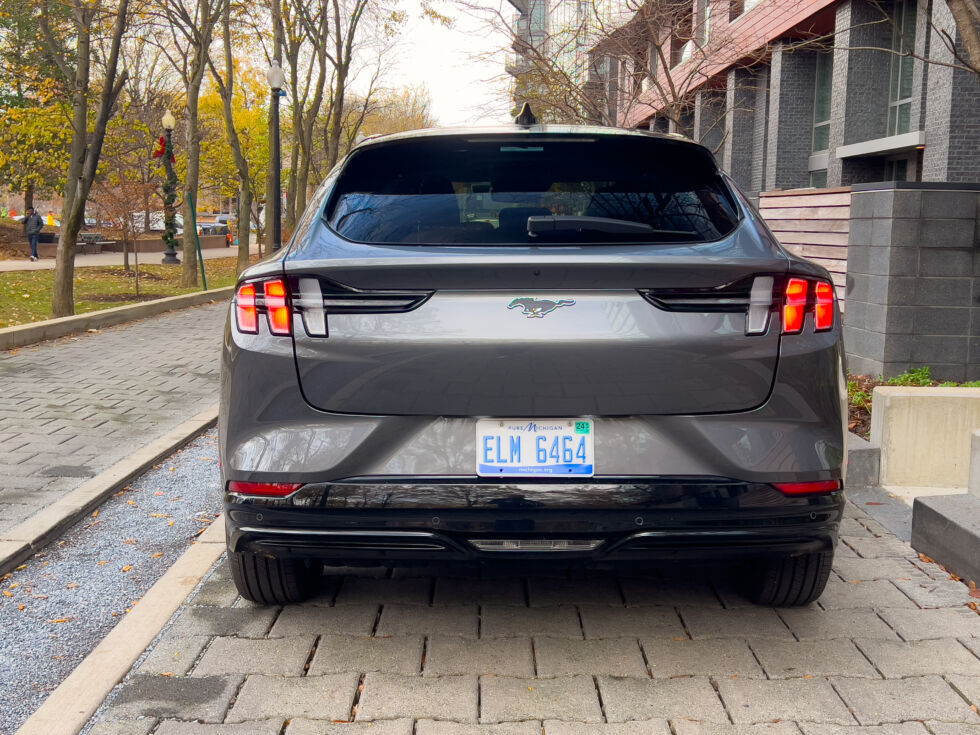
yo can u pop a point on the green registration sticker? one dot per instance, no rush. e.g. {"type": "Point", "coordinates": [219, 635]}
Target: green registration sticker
{"type": "Point", "coordinates": [582, 427]}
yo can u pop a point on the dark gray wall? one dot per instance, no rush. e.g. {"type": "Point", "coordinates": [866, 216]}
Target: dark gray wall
{"type": "Point", "coordinates": [913, 281]}
{"type": "Point", "coordinates": [790, 117]}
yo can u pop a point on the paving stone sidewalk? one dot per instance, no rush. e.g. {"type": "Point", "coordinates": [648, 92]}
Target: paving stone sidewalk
{"type": "Point", "coordinates": [73, 407]}
{"type": "Point", "coordinates": [892, 648]}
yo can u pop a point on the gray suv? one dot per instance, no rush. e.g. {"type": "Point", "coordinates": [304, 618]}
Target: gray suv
{"type": "Point", "coordinates": [537, 343]}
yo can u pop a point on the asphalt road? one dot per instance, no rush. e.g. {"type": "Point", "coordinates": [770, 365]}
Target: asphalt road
{"type": "Point", "coordinates": [62, 603]}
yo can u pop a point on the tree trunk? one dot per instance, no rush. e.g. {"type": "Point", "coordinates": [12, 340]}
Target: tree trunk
{"type": "Point", "coordinates": [292, 190]}
{"type": "Point", "coordinates": [29, 197]}
{"type": "Point", "coordinates": [85, 150]}
{"type": "Point", "coordinates": [63, 293]}
{"type": "Point", "coordinates": [188, 274]}
{"type": "Point", "coordinates": [125, 244]}
{"type": "Point", "coordinates": [244, 222]}
{"type": "Point", "coordinates": [967, 17]}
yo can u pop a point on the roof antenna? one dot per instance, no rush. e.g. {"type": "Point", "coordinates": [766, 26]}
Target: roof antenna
{"type": "Point", "coordinates": [526, 117]}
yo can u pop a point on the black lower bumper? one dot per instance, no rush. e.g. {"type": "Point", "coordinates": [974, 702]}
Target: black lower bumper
{"type": "Point", "coordinates": [699, 522]}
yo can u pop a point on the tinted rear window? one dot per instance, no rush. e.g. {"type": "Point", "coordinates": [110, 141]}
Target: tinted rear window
{"type": "Point", "coordinates": [493, 191]}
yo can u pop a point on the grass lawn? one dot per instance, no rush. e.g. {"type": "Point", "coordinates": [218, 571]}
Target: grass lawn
{"type": "Point", "coordinates": [25, 296]}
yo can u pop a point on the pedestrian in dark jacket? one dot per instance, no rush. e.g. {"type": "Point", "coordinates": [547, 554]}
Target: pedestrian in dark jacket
{"type": "Point", "coordinates": [33, 224]}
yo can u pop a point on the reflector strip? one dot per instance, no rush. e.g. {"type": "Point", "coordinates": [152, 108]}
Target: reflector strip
{"type": "Point", "coordinates": [264, 489]}
{"type": "Point", "coordinates": [794, 306]}
{"type": "Point", "coordinates": [823, 310]}
{"type": "Point", "coordinates": [807, 488]}
{"type": "Point", "coordinates": [760, 300]}
{"type": "Point", "coordinates": [246, 315]}
{"type": "Point", "coordinates": [276, 306]}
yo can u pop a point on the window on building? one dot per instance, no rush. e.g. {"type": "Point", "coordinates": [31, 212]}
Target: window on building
{"type": "Point", "coordinates": [900, 92]}
{"type": "Point", "coordinates": [821, 101]}
{"type": "Point", "coordinates": [704, 22]}
{"type": "Point", "coordinates": [740, 7]}
{"type": "Point", "coordinates": [818, 179]}
{"type": "Point", "coordinates": [897, 170]}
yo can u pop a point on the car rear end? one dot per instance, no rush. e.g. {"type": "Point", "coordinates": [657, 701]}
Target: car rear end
{"type": "Point", "coordinates": [563, 344]}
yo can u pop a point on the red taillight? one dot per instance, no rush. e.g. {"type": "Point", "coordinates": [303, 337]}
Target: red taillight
{"type": "Point", "coordinates": [794, 305]}
{"type": "Point", "coordinates": [807, 488]}
{"type": "Point", "coordinates": [276, 306]}
{"type": "Point", "coordinates": [264, 489]}
{"type": "Point", "coordinates": [823, 309]}
{"type": "Point", "coordinates": [246, 314]}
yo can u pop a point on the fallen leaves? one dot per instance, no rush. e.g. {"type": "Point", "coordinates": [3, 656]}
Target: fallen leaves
{"type": "Point", "coordinates": [60, 620]}
{"type": "Point", "coordinates": [8, 593]}
{"type": "Point", "coordinates": [95, 514]}
{"type": "Point", "coordinates": [160, 515]}
{"type": "Point", "coordinates": [130, 541]}
{"type": "Point", "coordinates": [72, 586]}
{"type": "Point", "coordinates": [127, 567]}
{"type": "Point", "coordinates": [157, 555]}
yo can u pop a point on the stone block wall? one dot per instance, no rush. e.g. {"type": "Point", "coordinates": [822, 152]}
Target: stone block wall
{"type": "Point", "coordinates": [913, 280]}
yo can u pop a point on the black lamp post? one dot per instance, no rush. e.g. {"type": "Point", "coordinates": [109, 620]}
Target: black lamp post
{"type": "Point", "coordinates": [169, 192]}
{"type": "Point", "coordinates": [276, 79]}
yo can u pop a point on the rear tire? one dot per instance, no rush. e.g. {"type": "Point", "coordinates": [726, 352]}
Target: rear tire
{"type": "Point", "coordinates": [791, 581]}
{"type": "Point", "coordinates": [269, 581]}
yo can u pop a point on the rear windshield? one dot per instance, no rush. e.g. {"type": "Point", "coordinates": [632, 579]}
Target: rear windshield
{"type": "Point", "coordinates": [538, 191]}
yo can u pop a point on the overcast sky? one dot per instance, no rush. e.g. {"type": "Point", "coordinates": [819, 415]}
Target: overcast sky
{"type": "Point", "coordinates": [466, 87]}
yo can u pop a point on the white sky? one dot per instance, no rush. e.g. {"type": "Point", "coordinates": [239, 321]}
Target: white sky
{"type": "Point", "coordinates": [466, 87]}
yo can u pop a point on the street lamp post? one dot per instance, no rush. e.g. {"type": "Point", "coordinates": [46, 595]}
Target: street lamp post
{"type": "Point", "coordinates": [276, 79]}
{"type": "Point", "coordinates": [169, 192]}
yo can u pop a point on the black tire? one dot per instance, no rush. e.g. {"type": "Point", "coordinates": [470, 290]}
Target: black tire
{"type": "Point", "coordinates": [792, 581]}
{"type": "Point", "coordinates": [269, 581]}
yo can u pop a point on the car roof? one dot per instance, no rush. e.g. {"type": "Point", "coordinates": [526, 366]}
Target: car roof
{"type": "Point", "coordinates": [528, 131]}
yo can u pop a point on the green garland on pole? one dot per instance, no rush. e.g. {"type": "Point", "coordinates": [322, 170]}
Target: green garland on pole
{"type": "Point", "coordinates": [169, 195]}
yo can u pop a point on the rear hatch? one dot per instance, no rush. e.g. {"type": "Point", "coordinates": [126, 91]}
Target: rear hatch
{"type": "Point", "coordinates": [535, 276]}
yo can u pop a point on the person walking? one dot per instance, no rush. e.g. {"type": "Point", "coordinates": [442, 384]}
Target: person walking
{"type": "Point", "coordinates": [33, 224]}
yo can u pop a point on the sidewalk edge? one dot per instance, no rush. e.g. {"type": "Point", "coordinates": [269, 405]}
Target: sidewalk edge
{"type": "Point", "coordinates": [71, 705]}
{"type": "Point", "coordinates": [27, 334]}
{"type": "Point", "coordinates": [27, 538]}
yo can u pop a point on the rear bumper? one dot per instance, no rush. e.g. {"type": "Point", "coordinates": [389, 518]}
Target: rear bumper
{"type": "Point", "coordinates": [675, 521]}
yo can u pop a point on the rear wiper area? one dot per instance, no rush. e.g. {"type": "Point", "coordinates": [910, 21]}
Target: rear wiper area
{"type": "Point", "coordinates": [543, 225]}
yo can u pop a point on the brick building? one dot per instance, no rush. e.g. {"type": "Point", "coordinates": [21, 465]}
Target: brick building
{"type": "Point", "coordinates": [806, 93]}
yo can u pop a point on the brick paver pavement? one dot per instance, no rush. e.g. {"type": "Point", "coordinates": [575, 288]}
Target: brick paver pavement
{"type": "Point", "coordinates": [73, 407]}
{"type": "Point", "coordinates": [893, 648]}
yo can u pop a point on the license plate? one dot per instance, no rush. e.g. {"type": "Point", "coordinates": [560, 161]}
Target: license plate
{"type": "Point", "coordinates": [535, 448]}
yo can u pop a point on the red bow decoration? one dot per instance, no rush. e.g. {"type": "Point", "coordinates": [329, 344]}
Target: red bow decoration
{"type": "Point", "coordinates": [161, 148]}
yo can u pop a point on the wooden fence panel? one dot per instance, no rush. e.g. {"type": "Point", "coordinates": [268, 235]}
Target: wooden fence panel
{"type": "Point", "coordinates": [814, 224]}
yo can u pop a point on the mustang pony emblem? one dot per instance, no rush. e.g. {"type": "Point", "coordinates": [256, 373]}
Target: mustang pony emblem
{"type": "Point", "coordinates": [537, 308]}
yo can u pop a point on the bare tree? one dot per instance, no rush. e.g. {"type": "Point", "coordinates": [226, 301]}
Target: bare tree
{"type": "Point", "coordinates": [226, 88]}
{"type": "Point", "coordinates": [70, 44]}
{"type": "Point", "coordinates": [189, 26]}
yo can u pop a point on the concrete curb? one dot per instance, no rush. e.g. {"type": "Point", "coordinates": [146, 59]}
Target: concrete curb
{"type": "Point", "coordinates": [26, 334]}
{"type": "Point", "coordinates": [25, 539]}
{"type": "Point", "coordinates": [69, 707]}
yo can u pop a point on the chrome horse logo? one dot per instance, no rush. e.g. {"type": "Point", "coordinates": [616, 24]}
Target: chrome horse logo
{"type": "Point", "coordinates": [537, 308]}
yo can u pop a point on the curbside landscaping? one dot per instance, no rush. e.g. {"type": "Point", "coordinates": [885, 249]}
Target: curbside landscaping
{"type": "Point", "coordinates": [26, 334]}
{"type": "Point", "coordinates": [68, 709]}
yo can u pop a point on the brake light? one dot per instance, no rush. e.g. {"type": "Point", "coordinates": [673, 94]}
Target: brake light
{"type": "Point", "coordinates": [246, 313]}
{"type": "Point", "coordinates": [823, 309]}
{"type": "Point", "coordinates": [264, 489]}
{"type": "Point", "coordinates": [794, 305]}
{"type": "Point", "coordinates": [276, 307]}
{"type": "Point", "coordinates": [807, 488]}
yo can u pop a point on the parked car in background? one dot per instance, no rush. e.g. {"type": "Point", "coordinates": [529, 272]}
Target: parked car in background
{"type": "Point", "coordinates": [560, 343]}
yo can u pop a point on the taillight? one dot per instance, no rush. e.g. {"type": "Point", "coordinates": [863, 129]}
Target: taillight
{"type": "Point", "coordinates": [264, 489]}
{"type": "Point", "coordinates": [794, 305]}
{"type": "Point", "coordinates": [823, 309]}
{"type": "Point", "coordinates": [277, 307]}
{"type": "Point", "coordinates": [807, 488]}
{"type": "Point", "coordinates": [246, 313]}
